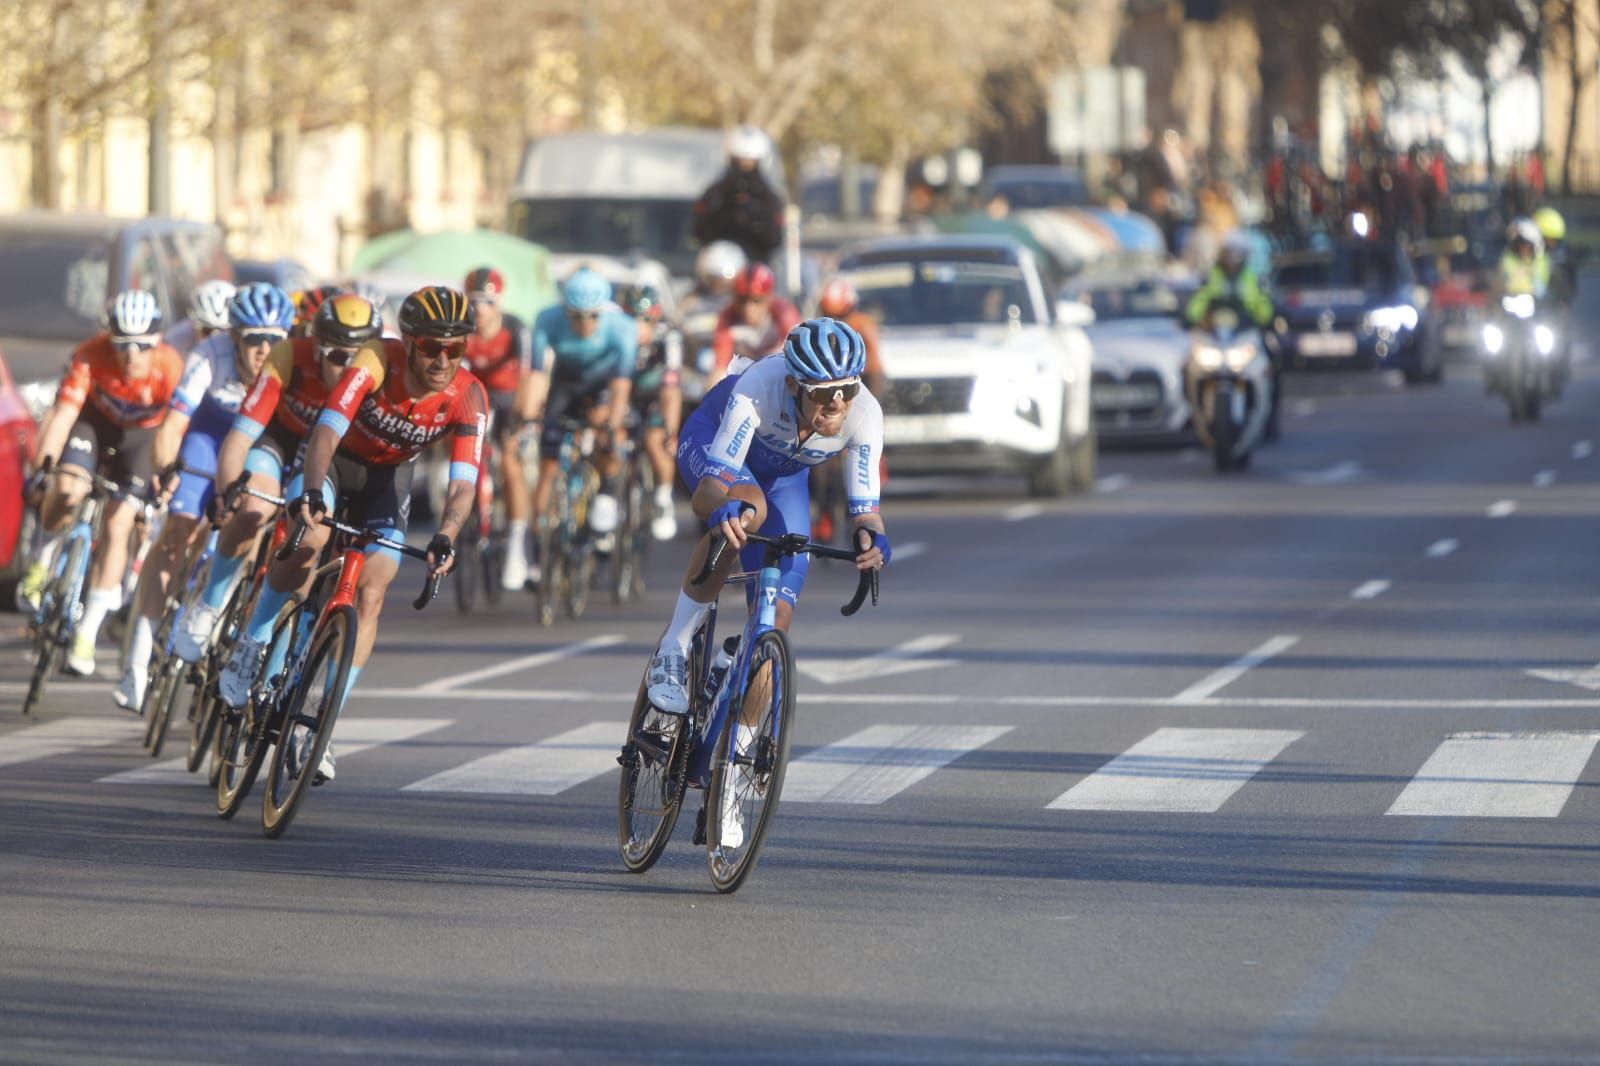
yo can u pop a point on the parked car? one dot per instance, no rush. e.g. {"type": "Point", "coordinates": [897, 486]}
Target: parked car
{"type": "Point", "coordinates": [1458, 283]}
{"type": "Point", "coordinates": [1030, 186]}
{"type": "Point", "coordinates": [16, 451]}
{"type": "Point", "coordinates": [1140, 346]}
{"type": "Point", "coordinates": [287, 274]}
{"type": "Point", "coordinates": [983, 376]}
{"type": "Point", "coordinates": [1356, 304]}
{"type": "Point", "coordinates": [58, 269]}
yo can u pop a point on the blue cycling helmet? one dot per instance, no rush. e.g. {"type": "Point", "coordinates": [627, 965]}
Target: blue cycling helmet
{"type": "Point", "coordinates": [261, 305]}
{"type": "Point", "coordinates": [824, 349]}
{"type": "Point", "coordinates": [586, 290]}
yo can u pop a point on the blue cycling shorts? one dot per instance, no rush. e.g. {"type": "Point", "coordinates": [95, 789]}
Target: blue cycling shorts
{"type": "Point", "coordinates": [194, 492]}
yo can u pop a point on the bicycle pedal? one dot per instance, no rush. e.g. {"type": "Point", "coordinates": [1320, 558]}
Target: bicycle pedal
{"type": "Point", "coordinates": [700, 826]}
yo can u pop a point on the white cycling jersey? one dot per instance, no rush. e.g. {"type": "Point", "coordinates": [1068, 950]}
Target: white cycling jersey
{"type": "Point", "coordinates": [759, 431]}
{"type": "Point", "coordinates": [211, 377]}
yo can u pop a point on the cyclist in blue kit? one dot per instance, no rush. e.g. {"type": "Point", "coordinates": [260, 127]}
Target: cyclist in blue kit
{"type": "Point", "coordinates": [747, 453]}
{"type": "Point", "coordinates": [584, 350]}
{"type": "Point", "coordinates": [216, 376]}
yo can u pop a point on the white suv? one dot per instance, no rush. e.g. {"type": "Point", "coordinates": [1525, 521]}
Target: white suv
{"type": "Point", "coordinates": [984, 373]}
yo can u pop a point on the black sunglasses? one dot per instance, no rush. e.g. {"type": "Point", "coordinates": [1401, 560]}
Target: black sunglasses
{"type": "Point", "coordinates": [584, 316]}
{"type": "Point", "coordinates": [335, 355]}
{"type": "Point", "coordinates": [252, 340]}
{"type": "Point", "coordinates": [840, 391]}
{"type": "Point", "coordinates": [142, 344]}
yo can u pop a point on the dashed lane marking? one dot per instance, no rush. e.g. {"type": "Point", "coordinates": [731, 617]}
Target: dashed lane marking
{"type": "Point", "coordinates": [1112, 483]}
{"type": "Point", "coordinates": [1370, 590]}
{"type": "Point", "coordinates": [525, 662]}
{"type": "Point", "coordinates": [1440, 548]}
{"type": "Point", "coordinates": [1544, 479]}
{"type": "Point", "coordinates": [1583, 449]}
{"type": "Point", "coordinates": [1502, 508]}
{"type": "Point", "coordinates": [910, 551]}
{"type": "Point", "coordinates": [880, 762]}
{"type": "Point", "coordinates": [547, 768]}
{"type": "Point", "coordinates": [1022, 511]}
{"type": "Point", "coordinates": [903, 658]}
{"type": "Point", "coordinates": [1208, 686]}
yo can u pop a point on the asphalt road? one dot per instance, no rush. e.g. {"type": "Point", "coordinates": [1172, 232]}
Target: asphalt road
{"type": "Point", "coordinates": [1191, 769]}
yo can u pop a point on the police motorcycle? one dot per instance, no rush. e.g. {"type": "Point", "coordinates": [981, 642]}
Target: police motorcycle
{"type": "Point", "coordinates": [1228, 380]}
{"type": "Point", "coordinates": [1520, 359]}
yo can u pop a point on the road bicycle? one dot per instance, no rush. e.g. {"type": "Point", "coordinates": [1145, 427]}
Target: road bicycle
{"type": "Point", "coordinates": [166, 671]}
{"type": "Point", "coordinates": [55, 620]}
{"type": "Point", "coordinates": [293, 708]}
{"type": "Point", "coordinates": [636, 504]}
{"type": "Point", "coordinates": [566, 546]}
{"type": "Point", "coordinates": [481, 548]}
{"type": "Point", "coordinates": [666, 754]}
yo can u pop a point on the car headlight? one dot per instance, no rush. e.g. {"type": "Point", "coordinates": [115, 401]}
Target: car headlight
{"type": "Point", "coordinates": [1207, 357]}
{"type": "Point", "coordinates": [1493, 339]}
{"type": "Point", "coordinates": [1392, 319]}
{"type": "Point", "coordinates": [1239, 356]}
{"type": "Point", "coordinates": [1545, 339]}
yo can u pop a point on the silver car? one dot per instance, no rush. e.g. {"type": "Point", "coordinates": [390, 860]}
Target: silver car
{"type": "Point", "coordinates": [1139, 350]}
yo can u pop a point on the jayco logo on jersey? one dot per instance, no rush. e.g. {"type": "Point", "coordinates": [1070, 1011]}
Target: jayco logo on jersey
{"type": "Point", "coordinates": [737, 443]}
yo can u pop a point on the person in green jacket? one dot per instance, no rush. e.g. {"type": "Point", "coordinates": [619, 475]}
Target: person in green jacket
{"type": "Point", "coordinates": [1231, 281]}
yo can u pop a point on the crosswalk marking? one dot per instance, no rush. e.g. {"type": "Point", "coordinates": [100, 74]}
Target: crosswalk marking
{"type": "Point", "coordinates": [880, 762]}
{"type": "Point", "coordinates": [544, 769]}
{"type": "Point", "coordinates": [64, 736]}
{"type": "Point", "coordinates": [525, 662]}
{"type": "Point", "coordinates": [1498, 775]}
{"type": "Point", "coordinates": [1178, 770]}
{"type": "Point", "coordinates": [350, 735]}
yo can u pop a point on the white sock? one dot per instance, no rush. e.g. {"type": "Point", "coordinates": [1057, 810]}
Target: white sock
{"type": "Point", "coordinates": [144, 640]}
{"type": "Point", "coordinates": [517, 538]}
{"type": "Point", "coordinates": [101, 603]}
{"type": "Point", "coordinates": [686, 618]}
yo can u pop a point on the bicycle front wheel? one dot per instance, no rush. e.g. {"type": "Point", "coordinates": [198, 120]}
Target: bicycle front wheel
{"type": "Point", "coordinates": [160, 697]}
{"type": "Point", "coordinates": [205, 708]}
{"type": "Point", "coordinates": [650, 795]}
{"type": "Point", "coordinates": [310, 711]}
{"type": "Point", "coordinates": [747, 768]}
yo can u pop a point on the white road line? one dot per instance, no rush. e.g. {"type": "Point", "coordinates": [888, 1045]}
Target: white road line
{"type": "Point", "coordinates": [910, 551]}
{"type": "Point", "coordinates": [1498, 775]}
{"type": "Point", "coordinates": [903, 658]}
{"type": "Point", "coordinates": [1207, 687]}
{"type": "Point", "coordinates": [880, 762]}
{"type": "Point", "coordinates": [350, 735]}
{"type": "Point", "coordinates": [543, 769]}
{"type": "Point", "coordinates": [526, 662]}
{"type": "Point", "coordinates": [1440, 548]}
{"type": "Point", "coordinates": [1112, 483]}
{"type": "Point", "coordinates": [1371, 590]}
{"type": "Point", "coordinates": [1178, 770]}
{"type": "Point", "coordinates": [1544, 479]}
{"type": "Point", "coordinates": [1338, 474]}
{"type": "Point", "coordinates": [1022, 511]}
{"type": "Point", "coordinates": [1502, 508]}
{"type": "Point", "coordinates": [1583, 449]}
{"type": "Point", "coordinates": [65, 736]}
{"type": "Point", "coordinates": [1303, 408]}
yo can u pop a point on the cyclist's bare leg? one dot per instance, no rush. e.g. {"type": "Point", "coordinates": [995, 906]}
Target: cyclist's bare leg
{"type": "Point", "coordinates": [293, 575]}
{"type": "Point", "coordinates": [375, 578]}
{"type": "Point", "coordinates": [169, 553]}
{"type": "Point", "coordinates": [238, 537]}
{"type": "Point", "coordinates": [111, 562]}
{"type": "Point", "coordinates": [655, 449]}
{"type": "Point", "coordinates": [513, 480]}
{"type": "Point", "coordinates": [548, 467]}
{"type": "Point", "coordinates": [65, 492]}
{"type": "Point", "coordinates": [710, 495]}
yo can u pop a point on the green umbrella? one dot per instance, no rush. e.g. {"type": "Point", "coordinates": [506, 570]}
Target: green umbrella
{"type": "Point", "coordinates": [446, 258]}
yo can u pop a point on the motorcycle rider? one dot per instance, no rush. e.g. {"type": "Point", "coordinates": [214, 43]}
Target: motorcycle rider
{"type": "Point", "coordinates": [1231, 281]}
{"type": "Point", "coordinates": [1524, 268]}
{"type": "Point", "coordinates": [740, 206]}
{"type": "Point", "coordinates": [1562, 287]}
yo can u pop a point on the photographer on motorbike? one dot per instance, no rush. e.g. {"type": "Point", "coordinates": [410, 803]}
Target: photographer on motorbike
{"type": "Point", "coordinates": [1232, 282]}
{"type": "Point", "coordinates": [740, 206]}
{"type": "Point", "coordinates": [1524, 268]}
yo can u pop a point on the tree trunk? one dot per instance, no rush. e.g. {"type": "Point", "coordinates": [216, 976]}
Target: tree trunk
{"type": "Point", "coordinates": [1486, 87]}
{"type": "Point", "coordinates": [889, 197]}
{"type": "Point", "coordinates": [1575, 80]}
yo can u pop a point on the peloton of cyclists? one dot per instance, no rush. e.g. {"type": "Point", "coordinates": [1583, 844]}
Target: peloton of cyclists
{"type": "Point", "coordinates": [657, 398]}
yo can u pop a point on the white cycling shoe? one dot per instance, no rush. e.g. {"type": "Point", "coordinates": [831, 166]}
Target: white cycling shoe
{"type": "Point", "coordinates": [731, 833]}
{"type": "Point", "coordinates": [195, 634]}
{"type": "Point", "coordinates": [667, 683]}
{"type": "Point", "coordinates": [129, 694]}
{"type": "Point", "coordinates": [239, 676]}
{"type": "Point", "coordinates": [515, 575]}
{"type": "Point", "coordinates": [325, 768]}
{"type": "Point", "coordinates": [80, 657]}
{"type": "Point", "coordinates": [664, 526]}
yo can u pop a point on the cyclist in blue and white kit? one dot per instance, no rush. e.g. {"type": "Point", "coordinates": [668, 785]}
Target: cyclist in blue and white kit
{"type": "Point", "coordinates": [216, 377]}
{"type": "Point", "coordinates": [585, 348]}
{"type": "Point", "coordinates": [747, 453]}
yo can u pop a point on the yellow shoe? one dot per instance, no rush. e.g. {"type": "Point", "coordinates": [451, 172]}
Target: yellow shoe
{"type": "Point", "coordinates": [31, 587]}
{"type": "Point", "coordinates": [80, 658]}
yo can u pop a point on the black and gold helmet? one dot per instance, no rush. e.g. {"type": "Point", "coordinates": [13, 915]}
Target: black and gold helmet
{"type": "Point", "coordinates": [437, 311]}
{"type": "Point", "coordinates": [346, 321]}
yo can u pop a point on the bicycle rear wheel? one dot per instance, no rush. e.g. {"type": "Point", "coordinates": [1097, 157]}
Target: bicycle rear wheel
{"type": "Point", "coordinates": [159, 696]}
{"type": "Point", "coordinates": [245, 736]}
{"type": "Point", "coordinates": [650, 793]}
{"type": "Point", "coordinates": [310, 711]}
{"type": "Point", "coordinates": [50, 640]}
{"type": "Point", "coordinates": [47, 656]}
{"type": "Point", "coordinates": [626, 564]}
{"type": "Point", "coordinates": [205, 708]}
{"type": "Point", "coordinates": [553, 557]}
{"type": "Point", "coordinates": [467, 572]}
{"type": "Point", "coordinates": [749, 781]}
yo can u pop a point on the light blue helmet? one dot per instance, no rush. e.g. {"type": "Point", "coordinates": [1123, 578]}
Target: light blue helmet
{"type": "Point", "coordinates": [824, 349]}
{"type": "Point", "coordinates": [261, 305]}
{"type": "Point", "coordinates": [585, 290]}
